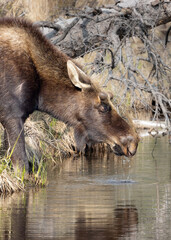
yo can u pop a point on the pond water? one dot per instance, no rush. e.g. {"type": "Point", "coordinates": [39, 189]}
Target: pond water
{"type": "Point", "coordinates": [98, 197]}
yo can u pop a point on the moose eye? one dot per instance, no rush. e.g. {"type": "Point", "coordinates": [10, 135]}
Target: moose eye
{"type": "Point", "coordinates": [104, 108]}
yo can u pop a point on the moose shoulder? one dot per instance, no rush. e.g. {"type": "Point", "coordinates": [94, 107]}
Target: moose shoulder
{"type": "Point", "coordinates": [34, 75]}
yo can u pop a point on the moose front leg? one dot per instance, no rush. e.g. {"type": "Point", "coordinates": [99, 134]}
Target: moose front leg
{"type": "Point", "coordinates": [15, 134]}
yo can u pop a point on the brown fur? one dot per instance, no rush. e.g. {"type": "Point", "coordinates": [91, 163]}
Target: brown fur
{"type": "Point", "coordinates": [34, 76]}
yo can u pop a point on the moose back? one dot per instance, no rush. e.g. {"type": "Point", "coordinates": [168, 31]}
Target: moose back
{"type": "Point", "coordinates": [34, 75]}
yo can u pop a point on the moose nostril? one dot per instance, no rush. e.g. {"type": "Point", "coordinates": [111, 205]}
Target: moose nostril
{"type": "Point", "coordinates": [131, 153]}
{"type": "Point", "coordinates": [132, 148]}
{"type": "Point", "coordinates": [118, 150]}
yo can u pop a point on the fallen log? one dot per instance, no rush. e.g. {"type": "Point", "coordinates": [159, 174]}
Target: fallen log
{"type": "Point", "coordinates": [149, 124]}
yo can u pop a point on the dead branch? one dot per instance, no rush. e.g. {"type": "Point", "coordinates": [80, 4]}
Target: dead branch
{"type": "Point", "coordinates": [94, 25]}
{"type": "Point", "coordinates": [167, 36]}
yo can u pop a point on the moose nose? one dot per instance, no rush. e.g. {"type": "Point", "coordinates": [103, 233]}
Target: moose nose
{"type": "Point", "coordinates": [129, 145]}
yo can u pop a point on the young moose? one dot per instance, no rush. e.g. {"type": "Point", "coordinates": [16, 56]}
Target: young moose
{"type": "Point", "coordinates": [34, 75]}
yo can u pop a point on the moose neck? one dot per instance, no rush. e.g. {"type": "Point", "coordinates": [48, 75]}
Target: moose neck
{"type": "Point", "coordinates": [59, 101]}
{"type": "Point", "coordinates": [50, 63]}
{"type": "Point", "coordinates": [57, 95]}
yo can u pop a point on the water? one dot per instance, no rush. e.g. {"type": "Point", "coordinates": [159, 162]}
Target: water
{"type": "Point", "coordinates": [98, 198]}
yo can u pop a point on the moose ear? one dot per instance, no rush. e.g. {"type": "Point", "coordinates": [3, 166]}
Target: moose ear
{"type": "Point", "coordinates": [74, 74]}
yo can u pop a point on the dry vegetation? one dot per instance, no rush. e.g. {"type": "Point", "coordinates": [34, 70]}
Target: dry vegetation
{"type": "Point", "coordinates": [139, 85]}
{"type": "Point", "coordinates": [45, 136]}
{"type": "Point", "coordinates": [10, 184]}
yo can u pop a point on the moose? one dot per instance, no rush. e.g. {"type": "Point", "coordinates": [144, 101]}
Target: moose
{"type": "Point", "coordinates": [35, 75]}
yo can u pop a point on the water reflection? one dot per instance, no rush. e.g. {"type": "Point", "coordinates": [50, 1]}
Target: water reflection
{"type": "Point", "coordinates": [98, 197]}
{"type": "Point", "coordinates": [122, 222]}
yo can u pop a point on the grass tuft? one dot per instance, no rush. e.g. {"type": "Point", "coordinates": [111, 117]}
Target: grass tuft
{"type": "Point", "coordinates": [9, 183]}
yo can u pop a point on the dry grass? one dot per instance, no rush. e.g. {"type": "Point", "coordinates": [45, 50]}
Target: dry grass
{"type": "Point", "coordinates": [34, 10]}
{"type": "Point", "coordinates": [37, 10]}
{"type": "Point", "coordinates": [46, 138]}
{"type": "Point", "coordinates": [10, 183]}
